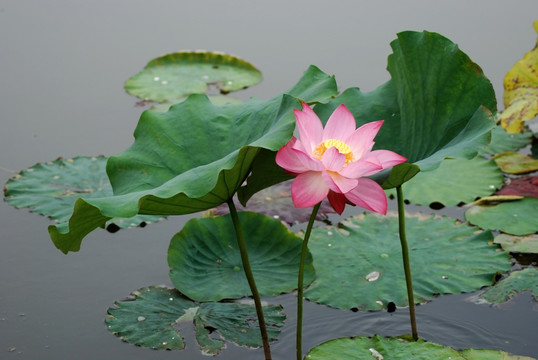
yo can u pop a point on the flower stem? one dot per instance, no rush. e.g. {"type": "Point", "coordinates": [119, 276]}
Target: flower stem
{"type": "Point", "coordinates": [250, 278]}
{"type": "Point", "coordinates": [407, 268]}
{"type": "Point", "coordinates": [300, 283]}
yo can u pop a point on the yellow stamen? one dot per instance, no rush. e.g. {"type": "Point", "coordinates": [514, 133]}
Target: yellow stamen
{"type": "Point", "coordinates": [341, 146]}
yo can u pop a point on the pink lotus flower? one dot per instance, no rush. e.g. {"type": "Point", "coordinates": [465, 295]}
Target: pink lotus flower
{"type": "Point", "coordinates": [333, 161]}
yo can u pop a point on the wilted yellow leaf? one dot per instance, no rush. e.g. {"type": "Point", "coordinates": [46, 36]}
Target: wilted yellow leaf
{"type": "Point", "coordinates": [521, 91]}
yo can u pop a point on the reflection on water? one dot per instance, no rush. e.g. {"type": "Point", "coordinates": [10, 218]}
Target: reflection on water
{"type": "Point", "coordinates": [63, 68]}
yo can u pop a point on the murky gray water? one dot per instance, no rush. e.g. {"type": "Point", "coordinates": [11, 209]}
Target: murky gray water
{"type": "Point", "coordinates": [62, 68]}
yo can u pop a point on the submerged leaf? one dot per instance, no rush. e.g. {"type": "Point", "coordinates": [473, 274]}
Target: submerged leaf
{"type": "Point", "coordinates": [514, 217]}
{"type": "Point", "coordinates": [445, 257]}
{"type": "Point", "coordinates": [177, 75]}
{"type": "Point", "coordinates": [516, 282]}
{"type": "Point", "coordinates": [192, 158]}
{"type": "Point", "coordinates": [521, 91]}
{"type": "Point", "coordinates": [206, 264]}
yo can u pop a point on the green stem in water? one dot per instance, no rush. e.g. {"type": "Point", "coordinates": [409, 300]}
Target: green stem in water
{"type": "Point", "coordinates": [405, 255]}
{"type": "Point", "coordinates": [250, 278]}
{"type": "Point", "coordinates": [300, 284]}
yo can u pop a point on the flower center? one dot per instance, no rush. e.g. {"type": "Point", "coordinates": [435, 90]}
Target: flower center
{"type": "Point", "coordinates": [341, 146]}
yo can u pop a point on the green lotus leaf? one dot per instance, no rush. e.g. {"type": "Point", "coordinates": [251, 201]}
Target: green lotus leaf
{"type": "Point", "coordinates": [398, 348]}
{"type": "Point", "coordinates": [148, 319]}
{"type": "Point", "coordinates": [152, 317]}
{"type": "Point", "coordinates": [451, 183]}
{"type": "Point", "coordinates": [516, 282]}
{"type": "Point", "coordinates": [363, 256]}
{"type": "Point", "coordinates": [192, 158]}
{"type": "Point", "coordinates": [520, 244]}
{"type": "Point", "coordinates": [177, 75]}
{"type": "Point", "coordinates": [516, 163]}
{"type": "Point", "coordinates": [234, 322]}
{"type": "Point", "coordinates": [502, 141]}
{"type": "Point", "coordinates": [513, 217]}
{"type": "Point", "coordinates": [437, 104]}
{"type": "Point", "coordinates": [51, 188]}
{"type": "Point", "coordinates": [206, 265]}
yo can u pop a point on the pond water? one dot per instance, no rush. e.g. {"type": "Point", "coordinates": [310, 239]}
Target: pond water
{"type": "Point", "coordinates": [61, 94]}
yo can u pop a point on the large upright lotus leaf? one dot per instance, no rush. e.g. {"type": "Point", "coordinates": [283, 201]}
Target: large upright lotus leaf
{"type": "Point", "coordinates": [177, 75]}
{"type": "Point", "coordinates": [516, 282]}
{"type": "Point", "coordinates": [454, 181]}
{"type": "Point", "coordinates": [359, 263]}
{"type": "Point", "coordinates": [206, 265]}
{"type": "Point", "coordinates": [437, 104]}
{"type": "Point", "coordinates": [399, 348]}
{"type": "Point", "coordinates": [191, 158]}
{"type": "Point", "coordinates": [521, 91]}
{"type": "Point", "coordinates": [235, 322]}
{"type": "Point", "coordinates": [51, 189]}
{"type": "Point", "coordinates": [513, 217]}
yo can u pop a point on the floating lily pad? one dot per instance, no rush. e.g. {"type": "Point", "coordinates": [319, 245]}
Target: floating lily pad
{"type": "Point", "coordinates": [520, 244]}
{"type": "Point", "coordinates": [502, 141]}
{"type": "Point", "coordinates": [398, 348]}
{"type": "Point", "coordinates": [359, 263]}
{"type": "Point", "coordinates": [192, 158]}
{"type": "Point", "coordinates": [451, 183]}
{"type": "Point", "coordinates": [516, 282]}
{"type": "Point", "coordinates": [236, 323]}
{"type": "Point", "coordinates": [516, 217]}
{"type": "Point", "coordinates": [153, 317]}
{"type": "Point", "coordinates": [148, 320]}
{"type": "Point", "coordinates": [521, 91]}
{"type": "Point", "coordinates": [437, 104]}
{"type": "Point", "coordinates": [524, 186]}
{"type": "Point", "coordinates": [51, 188]}
{"type": "Point", "coordinates": [275, 201]}
{"type": "Point", "coordinates": [516, 163]}
{"type": "Point", "coordinates": [177, 75]}
{"type": "Point", "coordinates": [206, 263]}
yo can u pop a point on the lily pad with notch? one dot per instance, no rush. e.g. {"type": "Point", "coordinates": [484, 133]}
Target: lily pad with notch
{"type": "Point", "coordinates": [154, 317]}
